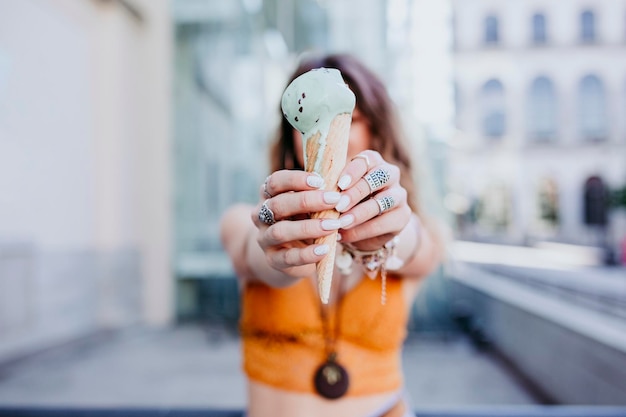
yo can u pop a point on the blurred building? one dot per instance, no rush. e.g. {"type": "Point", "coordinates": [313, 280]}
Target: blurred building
{"type": "Point", "coordinates": [540, 112]}
{"type": "Point", "coordinates": [127, 127]}
{"type": "Point", "coordinates": [85, 209]}
{"type": "Point", "coordinates": [232, 60]}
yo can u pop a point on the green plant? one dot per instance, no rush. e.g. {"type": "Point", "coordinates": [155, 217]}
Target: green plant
{"type": "Point", "coordinates": [618, 197]}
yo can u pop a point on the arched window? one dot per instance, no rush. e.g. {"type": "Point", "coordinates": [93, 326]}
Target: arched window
{"type": "Point", "coordinates": [539, 29]}
{"type": "Point", "coordinates": [542, 110]}
{"type": "Point", "coordinates": [592, 117]}
{"type": "Point", "coordinates": [491, 30]}
{"type": "Point", "coordinates": [595, 202]}
{"type": "Point", "coordinates": [587, 26]}
{"type": "Point", "coordinates": [493, 109]}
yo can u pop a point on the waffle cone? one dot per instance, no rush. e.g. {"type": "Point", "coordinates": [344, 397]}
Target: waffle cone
{"type": "Point", "coordinates": [330, 160]}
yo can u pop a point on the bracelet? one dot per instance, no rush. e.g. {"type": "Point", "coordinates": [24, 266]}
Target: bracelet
{"type": "Point", "coordinates": [372, 262]}
{"type": "Point", "coordinates": [377, 261]}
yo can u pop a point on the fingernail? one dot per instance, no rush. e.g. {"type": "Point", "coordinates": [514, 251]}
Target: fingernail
{"type": "Point", "coordinates": [338, 237]}
{"type": "Point", "coordinates": [343, 203]}
{"type": "Point", "coordinates": [321, 250]}
{"type": "Point", "coordinates": [346, 220]}
{"type": "Point", "coordinates": [344, 182]}
{"type": "Point", "coordinates": [331, 224]}
{"type": "Point", "coordinates": [331, 197]}
{"type": "Point", "coordinates": [314, 181]}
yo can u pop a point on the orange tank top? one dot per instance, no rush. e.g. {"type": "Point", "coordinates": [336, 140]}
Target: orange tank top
{"type": "Point", "coordinates": [283, 335]}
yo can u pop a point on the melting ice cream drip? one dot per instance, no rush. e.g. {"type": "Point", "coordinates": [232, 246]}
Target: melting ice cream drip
{"type": "Point", "coordinates": [313, 100]}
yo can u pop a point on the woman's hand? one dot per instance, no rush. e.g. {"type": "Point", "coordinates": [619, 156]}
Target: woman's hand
{"type": "Point", "coordinates": [373, 204]}
{"type": "Point", "coordinates": [285, 233]}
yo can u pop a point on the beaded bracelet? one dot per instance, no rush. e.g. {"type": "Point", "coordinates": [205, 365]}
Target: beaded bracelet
{"type": "Point", "coordinates": [379, 260]}
{"type": "Point", "coordinates": [372, 262]}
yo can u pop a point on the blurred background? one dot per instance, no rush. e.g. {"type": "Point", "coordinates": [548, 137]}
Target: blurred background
{"type": "Point", "coordinates": [127, 127]}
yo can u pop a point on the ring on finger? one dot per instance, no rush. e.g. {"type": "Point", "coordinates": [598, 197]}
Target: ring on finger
{"type": "Point", "coordinates": [385, 204]}
{"type": "Point", "coordinates": [266, 215]}
{"type": "Point", "coordinates": [376, 179]}
{"type": "Point", "coordinates": [265, 192]}
{"type": "Point", "coordinates": [363, 157]}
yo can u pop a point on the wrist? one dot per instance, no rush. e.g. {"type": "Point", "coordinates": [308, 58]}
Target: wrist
{"type": "Point", "coordinates": [393, 255]}
{"type": "Point", "coordinates": [410, 241]}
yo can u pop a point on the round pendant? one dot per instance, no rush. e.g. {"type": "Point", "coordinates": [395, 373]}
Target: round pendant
{"type": "Point", "coordinates": [331, 380]}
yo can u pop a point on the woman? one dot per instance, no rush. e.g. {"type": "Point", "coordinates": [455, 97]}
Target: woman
{"type": "Point", "coordinates": [303, 358]}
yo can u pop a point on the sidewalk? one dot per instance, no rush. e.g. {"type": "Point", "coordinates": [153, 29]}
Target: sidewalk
{"type": "Point", "coordinates": [192, 366]}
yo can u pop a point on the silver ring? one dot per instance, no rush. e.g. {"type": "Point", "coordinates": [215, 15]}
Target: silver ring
{"type": "Point", "coordinates": [363, 157]}
{"type": "Point", "coordinates": [265, 192]}
{"type": "Point", "coordinates": [385, 204]}
{"type": "Point", "coordinates": [266, 215]}
{"type": "Point", "coordinates": [376, 179]}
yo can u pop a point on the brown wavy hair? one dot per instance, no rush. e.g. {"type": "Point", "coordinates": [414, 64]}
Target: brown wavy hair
{"type": "Point", "coordinates": [375, 105]}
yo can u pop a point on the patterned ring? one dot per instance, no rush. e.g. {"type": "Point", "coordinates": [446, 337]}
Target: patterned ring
{"type": "Point", "coordinates": [266, 215]}
{"type": "Point", "coordinates": [377, 179]}
{"type": "Point", "coordinates": [265, 192]}
{"type": "Point", "coordinates": [363, 157]}
{"type": "Point", "coordinates": [385, 204]}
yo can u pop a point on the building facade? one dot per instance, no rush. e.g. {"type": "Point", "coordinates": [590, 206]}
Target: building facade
{"type": "Point", "coordinates": [85, 210]}
{"type": "Point", "coordinates": [540, 94]}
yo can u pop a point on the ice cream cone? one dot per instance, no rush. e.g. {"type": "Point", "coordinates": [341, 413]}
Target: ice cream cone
{"type": "Point", "coordinates": [319, 105]}
{"type": "Point", "coordinates": [333, 159]}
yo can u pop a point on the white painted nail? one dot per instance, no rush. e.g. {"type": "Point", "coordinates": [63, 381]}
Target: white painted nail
{"type": "Point", "coordinates": [339, 237]}
{"type": "Point", "coordinates": [331, 197]}
{"type": "Point", "coordinates": [321, 250]}
{"type": "Point", "coordinates": [314, 181]}
{"type": "Point", "coordinates": [344, 182]}
{"type": "Point", "coordinates": [331, 224]}
{"type": "Point", "coordinates": [344, 201]}
{"type": "Point", "coordinates": [346, 220]}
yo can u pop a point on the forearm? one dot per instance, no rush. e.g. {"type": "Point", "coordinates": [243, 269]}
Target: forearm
{"type": "Point", "coordinates": [418, 248]}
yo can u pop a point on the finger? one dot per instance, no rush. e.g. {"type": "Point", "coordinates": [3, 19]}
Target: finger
{"type": "Point", "coordinates": [254, 216]}
{"type": "Point", "coordinates": [357, 167]}
{"type": "Point", "coordinates": [262, 215]}
{"type": "Point", "coordinates": [291, 205]}
{"type": "Point", "coordinates": [289, 180]}
{"type": "Point", "coordinates": [387, 176]}
{"type": "Point", "coordinates": [381, 204]}
{"type": "Point", "coordinates": [383, 227]}
{"type": "Point", "coordinates": [287, 258]}
{"type": "Point", "coordinates": [289, 231]}
{"type": "Point", "coordinates": [378, 205]}
{"type": "Point", "coordinates": [287, 205]}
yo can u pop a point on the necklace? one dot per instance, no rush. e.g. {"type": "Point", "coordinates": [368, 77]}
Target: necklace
{"type": "Point", "coordinates": [331, 379]}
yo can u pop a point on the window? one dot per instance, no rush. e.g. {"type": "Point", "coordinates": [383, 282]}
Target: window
{"type": "Point", "coordinates": [587, 27]}
{"type": "Point", "coordinates": [457, 104]}
{"type": "Point", "coordinates": [548, 203]}
{"type": "Point", "coordinates": [539, 29]}
{"type": "Point", "coordinates": [592, 115]}
{"type": "Point", "coordinates": [595, 202]}
{"type": "Point", "coordinates": [491, 30]}
{"type": "Point", "coordinates": [493, 111]}
{"type": "Point", "coordinates": [542, 110]}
